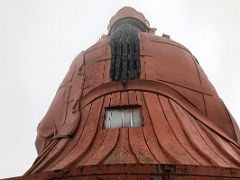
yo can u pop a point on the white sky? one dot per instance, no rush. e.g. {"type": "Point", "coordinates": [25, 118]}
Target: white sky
{"type": "Point", "coordinates": [40, 38]}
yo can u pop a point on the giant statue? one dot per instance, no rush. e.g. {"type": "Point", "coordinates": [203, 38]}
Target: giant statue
{"type": "Point", "coordinates": [136, 101]}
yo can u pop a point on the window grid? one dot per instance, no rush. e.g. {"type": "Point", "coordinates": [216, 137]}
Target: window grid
{"type": "Point", "coordinates": [122, 117]}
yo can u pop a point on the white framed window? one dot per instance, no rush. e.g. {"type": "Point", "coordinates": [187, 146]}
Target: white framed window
{"type": "Point", "coordinates": [120, 117]}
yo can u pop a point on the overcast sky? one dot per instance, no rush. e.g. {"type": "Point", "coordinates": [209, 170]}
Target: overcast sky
{"type": "Point", "coordinates": [40, 38]}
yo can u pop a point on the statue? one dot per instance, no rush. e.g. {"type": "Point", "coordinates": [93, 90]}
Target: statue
{"type": "Point", "coordinates": [136, 98]}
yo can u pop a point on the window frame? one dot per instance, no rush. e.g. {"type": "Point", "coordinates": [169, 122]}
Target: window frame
{"type": "Point", "coordinates": [106, 109]}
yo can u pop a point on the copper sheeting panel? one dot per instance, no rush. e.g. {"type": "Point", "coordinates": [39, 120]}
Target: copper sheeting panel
{"type": "Point", "coordinates": [170, 135]}
{"type": "Point", "coordinates": [184, 120]}
{"type": "Point", "coordinates": [163, 171]}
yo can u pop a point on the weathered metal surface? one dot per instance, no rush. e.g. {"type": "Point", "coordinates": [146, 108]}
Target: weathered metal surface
{"type": "Point", "coordinates": [151, 172]}
{"type": "Point", "coordinates": [184, 120]}
{"type": "Point", "coordinates": [127, 12]}
{"type": "Point", "coordinates": [125, 55]}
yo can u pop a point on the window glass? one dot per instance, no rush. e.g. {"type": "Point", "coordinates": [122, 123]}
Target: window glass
{"type": "Point", "coordinates": [122, 117]}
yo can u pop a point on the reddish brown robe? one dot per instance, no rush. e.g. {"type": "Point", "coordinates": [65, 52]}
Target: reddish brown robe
{"type": "Point", "coordinates": [184, 120]}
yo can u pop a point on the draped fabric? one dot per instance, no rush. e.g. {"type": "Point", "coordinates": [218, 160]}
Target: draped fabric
{"type": "Point", "coordinates": [170, 135]}
{"type": "Point", "coordinates": [184, 122]}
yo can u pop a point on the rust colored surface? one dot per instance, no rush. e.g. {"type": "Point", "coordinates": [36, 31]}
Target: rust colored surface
{"type": "Point", "coordinates": [127, 12]}
{"type": "Point", "coordinates": [184, 120]}
{"type": "Point", "coordinates": [161, 171]}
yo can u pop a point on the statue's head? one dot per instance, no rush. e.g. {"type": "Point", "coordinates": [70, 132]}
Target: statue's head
{"type": "Point", "coordinates": [128, 15]}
